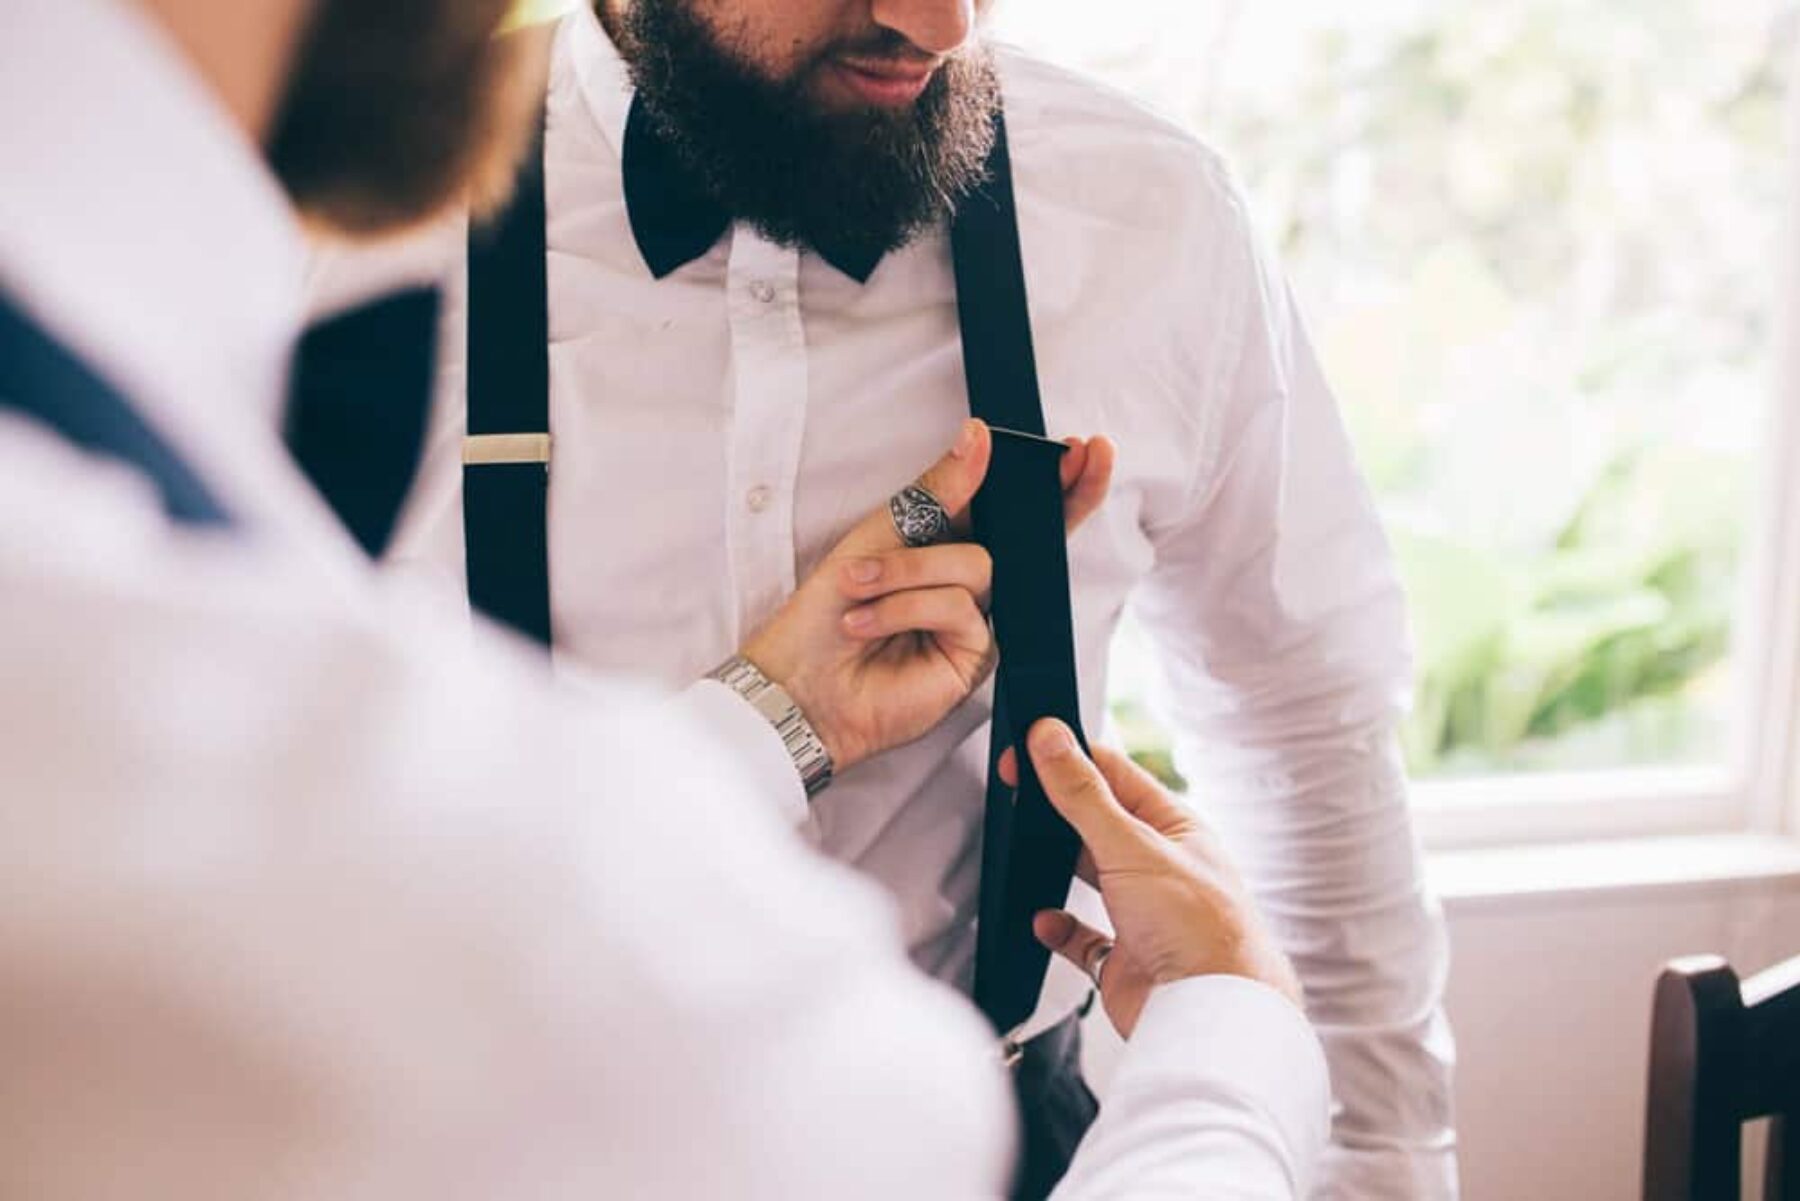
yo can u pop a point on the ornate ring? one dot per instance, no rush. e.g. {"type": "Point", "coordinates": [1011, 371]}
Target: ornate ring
{"type": "Point", "coordinates": [919, 517]}
{"type": "Point", "coordinates": [1096, 967]}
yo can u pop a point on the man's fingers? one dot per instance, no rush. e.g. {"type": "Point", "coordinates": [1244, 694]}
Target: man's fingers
{"type": "Point", "coordinates": [1080, 793]}
{"type": "Point", "coordinates": [1074, 462]}
{"type": "Point", "coordinates": [954, 564]}
{"type": "Point", "coordinates": [953, 479]}
{"type": "Point", "coordinates": [948, 611]}
{"type": "Point", "coordinates": [1086, 472]}
{"type": "Point", "coordinates": [1087, 478]}
{"type": "Point", "coordinates": [1070, 937]}
{"type": "Point", "coordinates": [956, 478]}
{"type": "Point", "coordinates": [1008, 767]}
{"type": "Point", "coordinates": [1142, 794]}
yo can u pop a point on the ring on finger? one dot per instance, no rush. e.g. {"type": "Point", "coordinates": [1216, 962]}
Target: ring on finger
{"type": "Point", "coordinates": [919, 517]}
{"type": "Point", "coordinates": [1096, 966]}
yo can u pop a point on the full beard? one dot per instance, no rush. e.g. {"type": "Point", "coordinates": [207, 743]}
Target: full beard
{"type": "Point", "coordinates": [800, 175]}
{"type": "Point", "coordinates": [400, 110]}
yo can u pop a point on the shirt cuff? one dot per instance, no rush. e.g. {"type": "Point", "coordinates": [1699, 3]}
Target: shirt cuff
{"type": "Point", "coordinates": [1234, 1037]}
{"type": "Point", "coordinates": [756, 745]}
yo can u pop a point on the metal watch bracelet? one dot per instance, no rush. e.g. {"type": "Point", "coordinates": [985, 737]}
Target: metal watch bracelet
{"type": "Point", "coordinates": [771, 700]}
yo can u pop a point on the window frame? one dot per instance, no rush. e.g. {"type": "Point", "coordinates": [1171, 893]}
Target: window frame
{"type": "Point", "coordinates": [1770, 606]}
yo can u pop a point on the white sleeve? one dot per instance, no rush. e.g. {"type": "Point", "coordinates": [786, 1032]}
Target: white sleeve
{"type": "Point", "coordinates": [301, 897]}
{"type": "Point", "coordinates": [768, 770]}
{"type": "Point", "coordinates": [1280, 626]}
{"type": "Point", "coordinates": [1221, 1094]}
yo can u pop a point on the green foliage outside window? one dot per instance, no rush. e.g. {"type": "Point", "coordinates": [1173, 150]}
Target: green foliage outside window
{"type": "Point", "coordinates": [1536, 240]}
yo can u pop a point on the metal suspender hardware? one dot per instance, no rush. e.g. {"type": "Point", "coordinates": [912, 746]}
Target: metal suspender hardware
{"type": "Point", "coordinates": [484, 449]}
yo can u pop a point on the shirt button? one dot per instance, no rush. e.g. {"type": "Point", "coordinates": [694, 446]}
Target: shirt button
{"type": "Point", "coordinates": [758, 498]}
{"type": "Point", "coordinates": [762, 291]}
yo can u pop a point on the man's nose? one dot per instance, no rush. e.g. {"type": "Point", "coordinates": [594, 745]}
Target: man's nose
{"type": "Point", "coordinates": [934, 26]}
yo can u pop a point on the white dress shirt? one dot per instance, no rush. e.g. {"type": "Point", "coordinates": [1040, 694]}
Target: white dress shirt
{"type": "Point", "coordinates": [308, 894]}
{"type": "Point", "coordinates": [716, 432]}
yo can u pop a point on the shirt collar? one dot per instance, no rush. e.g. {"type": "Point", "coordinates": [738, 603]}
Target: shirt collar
{"type": "Point", "coordinates": [139, 225]}
{"type": "Point", "coordinates": [601, 74]}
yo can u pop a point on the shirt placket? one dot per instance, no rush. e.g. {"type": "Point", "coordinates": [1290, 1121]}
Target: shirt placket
{"type": "Point", "coordinates": [768, 422]}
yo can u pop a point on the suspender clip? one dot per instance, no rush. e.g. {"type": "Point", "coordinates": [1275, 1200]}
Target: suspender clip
{"type": "Point", "coordinates": [481, 450]}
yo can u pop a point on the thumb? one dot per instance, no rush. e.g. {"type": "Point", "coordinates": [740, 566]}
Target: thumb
{"type": "Point", "coordinates": [1142, 794]}
{"type": "Point", "coordinates": [953, 480]}
{"type": "Point", "coordinates": [956, 478]}
{"type": "Point", "coordinates": [1081, 794]}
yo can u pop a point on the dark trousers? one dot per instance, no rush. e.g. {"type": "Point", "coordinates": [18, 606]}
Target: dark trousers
{"type": "Point", "coordinates": [1055, 1109]}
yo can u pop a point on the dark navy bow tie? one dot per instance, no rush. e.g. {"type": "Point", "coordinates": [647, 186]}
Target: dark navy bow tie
{"type": "Point", "coordinates": [358, 407]}
{"type": "Point", "coordinates": [675, 221]}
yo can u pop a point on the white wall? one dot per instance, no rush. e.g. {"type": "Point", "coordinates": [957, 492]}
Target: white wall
{"type": "Point", "coordinates": [1550, 997]}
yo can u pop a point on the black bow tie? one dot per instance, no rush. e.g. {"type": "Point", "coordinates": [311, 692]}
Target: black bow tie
{"type": "Point", "coordinates": [675, 221]}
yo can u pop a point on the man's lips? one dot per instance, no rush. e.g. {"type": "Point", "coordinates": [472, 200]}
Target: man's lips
{"type": "Point", "coordinates": [884, 82]}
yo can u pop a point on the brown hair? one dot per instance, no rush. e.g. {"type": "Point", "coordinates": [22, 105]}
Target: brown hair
{"type": "Point", "coordinates": [400, 108]}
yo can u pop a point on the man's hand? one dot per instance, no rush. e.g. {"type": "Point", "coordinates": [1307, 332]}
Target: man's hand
{"type": "Point", "coordinates": [882, 641]}
{"type": "Point", "coordinates": [1178, 906]}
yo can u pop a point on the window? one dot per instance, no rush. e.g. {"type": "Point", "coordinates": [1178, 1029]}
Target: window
{"type": "Point", "coordinates": [1534, 241]}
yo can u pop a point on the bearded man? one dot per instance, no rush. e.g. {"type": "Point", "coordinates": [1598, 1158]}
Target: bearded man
{"type": "Point", "coordinates": [756, 308]}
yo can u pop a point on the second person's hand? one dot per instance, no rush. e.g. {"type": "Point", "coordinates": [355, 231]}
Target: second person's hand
{"type": "Point", "coordinates": [1177, 905]}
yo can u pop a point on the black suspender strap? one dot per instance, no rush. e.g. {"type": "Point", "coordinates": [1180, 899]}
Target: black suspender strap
{"type": "Point", "coordinates": [506, 459]}
{"type": "Point", "coordinates": [1028, 851]}
{"type": "Point", "coordinates": [42, 380]}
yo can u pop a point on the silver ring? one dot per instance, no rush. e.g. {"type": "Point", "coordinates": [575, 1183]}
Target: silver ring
{"type": "Point", "coordinates": [919, 517]}
{"type": "Point", "coordinates": [1097, 963]}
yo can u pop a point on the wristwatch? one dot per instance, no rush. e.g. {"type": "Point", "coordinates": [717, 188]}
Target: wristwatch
{"type": "Point", "coordinates": [770, 699]}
